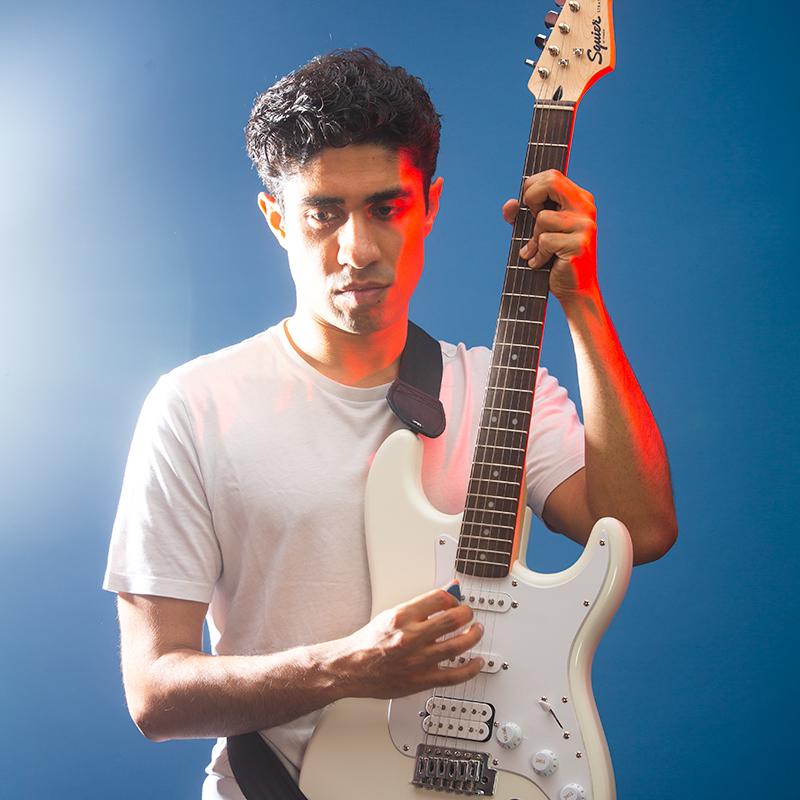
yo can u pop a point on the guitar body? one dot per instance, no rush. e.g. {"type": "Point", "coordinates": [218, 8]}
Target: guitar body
{"type": "Point", "coordinates": [545, 635]}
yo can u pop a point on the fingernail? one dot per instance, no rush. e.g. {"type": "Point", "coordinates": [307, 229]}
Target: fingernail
{"type": "Point", "coordinates": [523, 251]}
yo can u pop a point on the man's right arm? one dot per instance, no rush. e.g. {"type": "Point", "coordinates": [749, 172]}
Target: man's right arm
{"type": "Point", "coordinates": [176, 691]}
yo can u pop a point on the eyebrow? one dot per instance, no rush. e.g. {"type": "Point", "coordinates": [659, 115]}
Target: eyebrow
{"type": "Point", "coordinates": [395, 193]}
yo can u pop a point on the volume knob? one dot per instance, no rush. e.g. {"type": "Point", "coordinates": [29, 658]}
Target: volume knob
{"type": "Point", "coordinates": [509, 735]}
{"type": "Point", "coordinates": [545, 762]}
{"type": "Point", "coordinates": [572, 791]}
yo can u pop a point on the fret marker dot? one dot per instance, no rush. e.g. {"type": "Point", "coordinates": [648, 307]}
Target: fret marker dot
{"type": "Point", "coordinates": [495, 473]}
{"type": "Point", "coordinates": [482, 556]}
{"type": "Point", "coordinates": [494, 419]}
{"type": "Point", "coordinates": [514, 421]}
{"type": "Point", "coordinates": [485, 531]}
{"type": "Point", "coordinates": [521, 309]}
{"type": "Point", "coordinates": [513, 356]}
{"type": "Point", "coordinates": [491, 504]}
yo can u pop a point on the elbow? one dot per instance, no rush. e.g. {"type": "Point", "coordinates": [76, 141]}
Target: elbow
{"type": "Point", "coordinates": [655, 540]}
{"type": "Point", "coordinates": [151, 717]}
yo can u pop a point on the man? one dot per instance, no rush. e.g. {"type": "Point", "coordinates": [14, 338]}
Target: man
{"type": "Point", "coordinates": [245, 482]}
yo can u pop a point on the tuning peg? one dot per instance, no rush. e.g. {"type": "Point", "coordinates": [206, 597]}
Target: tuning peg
{"type": "Point", "coordinates": [550, 19]}
{"type": "Point", "coordinates": [560, 3]}
{"type": "Point", "coordinates": [530, 62]}
{"type": "Point", "coordinates": [540, 41]}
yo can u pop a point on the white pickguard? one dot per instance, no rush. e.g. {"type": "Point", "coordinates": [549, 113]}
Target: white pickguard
{"type": "Point", "coordinates": [365, 748]}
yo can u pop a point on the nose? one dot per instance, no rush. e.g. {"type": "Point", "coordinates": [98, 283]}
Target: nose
{"type": "Point", "coordinates": [357, 244]}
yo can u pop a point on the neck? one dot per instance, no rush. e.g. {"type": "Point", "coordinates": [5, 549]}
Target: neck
{"type": "Point", "coordinates": [352, 359]}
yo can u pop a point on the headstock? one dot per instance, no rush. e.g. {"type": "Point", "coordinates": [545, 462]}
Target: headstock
{"type": "Point", "coordinates": [578, 50]}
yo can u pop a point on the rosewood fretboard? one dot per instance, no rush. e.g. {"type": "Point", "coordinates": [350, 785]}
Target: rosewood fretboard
{"type": "Point", "coordinates": [486, 543]}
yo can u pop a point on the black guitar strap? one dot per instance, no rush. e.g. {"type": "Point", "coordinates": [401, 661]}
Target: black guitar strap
{"type": "Point", "coordinates": [414, 398]}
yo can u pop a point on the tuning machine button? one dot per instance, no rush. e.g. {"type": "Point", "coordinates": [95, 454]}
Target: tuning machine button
{"type": "Point", "coordinates": [572, 791]}
{"type": "Point", "coordinates": [545, 762]}
{"type": "Point", "coordinates": [550, 19]}
{"type": "Point", "coordinates": [540, 41]}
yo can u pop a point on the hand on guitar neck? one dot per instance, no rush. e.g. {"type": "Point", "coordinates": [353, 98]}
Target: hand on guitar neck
{"type": "Point", "coordinates": [565, 232]}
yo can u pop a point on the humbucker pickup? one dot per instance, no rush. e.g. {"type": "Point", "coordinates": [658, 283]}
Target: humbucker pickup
{"type": "Point", "coordinates": [458, 719]}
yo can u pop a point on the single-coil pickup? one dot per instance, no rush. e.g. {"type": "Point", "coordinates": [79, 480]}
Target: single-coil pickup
{"type": "Point", "coordinates": [460, 719]}
{"type": "Point", "coordinates": [481, 600]}
{"type": "Point", "coordinates": [491, 663]}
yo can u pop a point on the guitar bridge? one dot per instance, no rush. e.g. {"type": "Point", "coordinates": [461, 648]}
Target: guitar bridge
{"type": "Point", "coordinates": [461, 771]}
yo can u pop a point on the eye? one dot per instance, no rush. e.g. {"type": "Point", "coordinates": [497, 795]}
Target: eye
{"type": "Point", "coordinates": [387, 211]}
{"type": "Point", "coordinates": [320, 216]}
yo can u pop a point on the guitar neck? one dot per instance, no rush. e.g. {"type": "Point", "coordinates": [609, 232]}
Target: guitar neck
{"type": "Point", "coordinates": [487, 544]}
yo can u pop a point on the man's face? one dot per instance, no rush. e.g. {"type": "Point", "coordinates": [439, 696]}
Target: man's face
{"type": "Point", "coordinates": [354, 224]}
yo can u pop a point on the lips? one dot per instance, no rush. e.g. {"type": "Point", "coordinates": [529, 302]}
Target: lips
{"type": "Point", "coordinates": [363, 293]}
{"type": "Point", "coordinates": [362, 287]}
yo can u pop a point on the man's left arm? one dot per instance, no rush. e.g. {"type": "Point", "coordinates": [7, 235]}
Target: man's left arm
{"type": "Point", "coordinates": [626, 474]}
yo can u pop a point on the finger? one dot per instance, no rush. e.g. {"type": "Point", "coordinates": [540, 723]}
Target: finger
{"type": "Point", "coordinates": [510, 210]}
{"type": "Point", "coordinates": [555, 186]}
{"type": "Point", "coordinates": [454, 646]}
{"type": "Point", "coordinates": [560, 245]}
{"type": "Point", "coordinates": [551, 221]}
{"type": "Point", "coordinates": [452, 676]}
{"type": "Point", "coordinates": [423, 606]}
{"type": "Point", "coordinates": [443, 623]}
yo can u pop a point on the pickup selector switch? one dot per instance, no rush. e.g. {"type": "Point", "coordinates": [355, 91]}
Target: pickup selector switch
{"type": "Point", "coordinates": [509, 735]}
{"type": "Point", "coordinates": [572, 791]}
{"type": "Point", "coordinates": [545, 762]}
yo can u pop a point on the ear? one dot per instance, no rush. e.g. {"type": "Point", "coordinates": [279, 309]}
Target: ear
{"type": "Point", "coordinates": [271, 209]}
{"type": "Point", "coordinates": [434, 194]}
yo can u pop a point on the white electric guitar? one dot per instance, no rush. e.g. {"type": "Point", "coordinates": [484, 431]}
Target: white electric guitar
{"type": "Point", "coordinates": [526, 728]}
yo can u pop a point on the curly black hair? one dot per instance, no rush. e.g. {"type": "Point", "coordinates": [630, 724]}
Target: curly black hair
{"type": "Point", "coordinates": [344, 97]}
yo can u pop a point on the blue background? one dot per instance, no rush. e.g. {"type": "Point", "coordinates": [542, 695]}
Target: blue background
{"type": "Point", "coordinates": [130, 241]}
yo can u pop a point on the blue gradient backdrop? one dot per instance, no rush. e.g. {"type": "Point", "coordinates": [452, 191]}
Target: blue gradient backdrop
{"type": "Point", "coordinates": [130, 241]}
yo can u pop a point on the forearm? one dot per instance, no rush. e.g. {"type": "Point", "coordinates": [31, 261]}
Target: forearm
{"type": "Point", "coordinates": [191, 694]}
{"type": "Point", "coordinates": [627, 473]}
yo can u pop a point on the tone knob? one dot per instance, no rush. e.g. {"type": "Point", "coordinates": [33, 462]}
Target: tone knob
{"type": "Point", "coordinates": [572, 791]}
{"type": "Point", "coordinates": [509, 735]}
{"type": "Point", "coordinates": [545, 762]}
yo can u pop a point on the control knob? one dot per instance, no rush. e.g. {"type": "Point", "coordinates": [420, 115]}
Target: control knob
{"type": "Point", "coordinates": [545, 762]}
{"type": "Point", "coordinates": [509, 735]}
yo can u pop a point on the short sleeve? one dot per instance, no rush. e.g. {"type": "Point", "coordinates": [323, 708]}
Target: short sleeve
{"type": "Point", "coordinates": [163, 540]}
{"type": "Point", "coordinates": [556, 444]}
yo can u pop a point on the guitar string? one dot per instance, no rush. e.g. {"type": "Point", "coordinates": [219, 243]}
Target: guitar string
{"type": "Point", "coordinates": [534, 150]}
{"type": "Point", "coordinates": [522, 230]}
{"type": "Point", "coordinates": [489, 441]}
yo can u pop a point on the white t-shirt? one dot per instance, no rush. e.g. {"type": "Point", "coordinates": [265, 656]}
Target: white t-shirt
{"type": "Point", "coordinates": [244, 488]}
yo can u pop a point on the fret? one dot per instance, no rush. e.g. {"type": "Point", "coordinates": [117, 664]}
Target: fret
{"type": "Point", "coordinates": [493, 428]}
{"type": "Point", "coordinates": [495, 480]}
{"type": "Point", "coordinates": [492, 496]}
{"type": "Point", "coordinates": [491, 464]}
{"type": "Point", "coordinates": [481, 562]}
{"type": "Point", "coordinates": [526, 321]}
{"type": "Point", "coordinates": [502, 447]}
{"type": "Point", "coordinates": [489, 511]}
{"type": "Point", "coordinates": [489, 525]}
{"type": "Point", "coordinates": [482, 551]}
{"type": "Point", "coordinates": [516, 344]}
{"type": "Point", "coordinates": [506, 389]}
{"type": "Point", "coordinates": [508, 366]}
{"type": "Point", "coordinates": [531, 296]}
